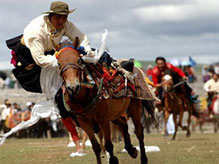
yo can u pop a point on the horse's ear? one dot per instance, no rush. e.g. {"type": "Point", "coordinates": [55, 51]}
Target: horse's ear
{"type": "Point", "coordinates": [76, 42]}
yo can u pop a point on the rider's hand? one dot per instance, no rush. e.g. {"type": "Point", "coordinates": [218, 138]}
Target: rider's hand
{"type": "Point", "coordinates": [185, 78]}
{"type": "Point", "coordinates": [158, 85]}
{"type": "Point", "coordinates": [91, 53]}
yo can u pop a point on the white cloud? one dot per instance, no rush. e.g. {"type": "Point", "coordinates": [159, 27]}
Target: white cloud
{"type": "Point", "coordinates": [5, 65]}
{"type": "Point", "coordinates": [142, 29]}
{"type": "Point", "coordinates": [177, 12]}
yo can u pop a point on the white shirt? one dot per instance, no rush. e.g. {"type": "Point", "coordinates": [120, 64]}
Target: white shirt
{"type": "Point", "coordinates": [40, 36]}
{"type": "Point", "coordinates": [211, 86]}
{"type": "Point", "coordinates": [6, 112]}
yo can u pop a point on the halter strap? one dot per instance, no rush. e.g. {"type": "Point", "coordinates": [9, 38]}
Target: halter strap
{"type": "Point", "coordinates": [79, 49]}
{"type": "Point", "coordinates": [63, 49]}
{"type": "Point", "coordinates": [70, 65]}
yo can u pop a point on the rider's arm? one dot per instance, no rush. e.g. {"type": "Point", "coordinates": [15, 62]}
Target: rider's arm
{"type": "Point", "coordinates": [154, 78]}
{"type": "Point", "coordinates": [177, 70]}
{"type": "Point", "coordinates": [207, 86]}
{"type": "Point", "coordinates": [72, 31]}
{"type": "Point", "coordinates": [35, 44]}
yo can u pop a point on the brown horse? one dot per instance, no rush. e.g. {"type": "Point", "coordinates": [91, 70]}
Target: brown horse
{"type": "Point", "coordinates": [106, 110]}
{"type": "Point", "coordinates": [175, 103]}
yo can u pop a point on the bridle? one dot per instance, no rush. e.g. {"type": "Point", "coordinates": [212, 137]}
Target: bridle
{"type": "Point", "coordinates": [69, 65]}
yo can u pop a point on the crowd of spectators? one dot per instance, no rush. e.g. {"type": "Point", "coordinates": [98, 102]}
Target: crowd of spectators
{"type": "Point", "coordinates": [11, 114]}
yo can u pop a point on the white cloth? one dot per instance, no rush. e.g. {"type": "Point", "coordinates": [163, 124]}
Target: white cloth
{"type": "Point", "coordinates": [50, 81]}
{"type": "Point", "coordinates": [43, 109]}
{"type": "Point", "coordinates": [216, 106]}
{"type": "Point", "coordinates": [40, 36]}
{"type": "Point", "coordinates": [211, 86]}
{"type": "Point", "coordinates": [170, 125]}
{"type": "Point", "coordinates": [5, 113]}
{"type": "Point", "coordinates": [147, 149]}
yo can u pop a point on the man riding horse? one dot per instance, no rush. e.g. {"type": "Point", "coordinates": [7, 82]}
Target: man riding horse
{"type": "Point", "coordinates": [161, 69]}
{"type": "Point", "coordinates": [212, 88]}
{"type": "Point", "coordinates": [35, 50]}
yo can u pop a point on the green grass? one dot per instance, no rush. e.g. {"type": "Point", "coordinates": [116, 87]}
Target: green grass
{"type": "Point", "coordinates": [198, 149]}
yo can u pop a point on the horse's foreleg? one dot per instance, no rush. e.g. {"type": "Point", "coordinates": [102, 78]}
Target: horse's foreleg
{"type": "Point", "coordinates": [88, 128]}
{"type": "Point", "coordinates": [176, 126]}
{"type": "Point", "coordinates": [181, 119]}
{"type": "Point", "coordinates": [166, 116]}
{"type": "Point", "coordinates": [108, 143]}
{"type": "Point", "coordinates": [123, 127]}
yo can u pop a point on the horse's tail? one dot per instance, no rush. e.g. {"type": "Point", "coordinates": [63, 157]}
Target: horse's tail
{"type": "Point", "coordinates": [150, 108]}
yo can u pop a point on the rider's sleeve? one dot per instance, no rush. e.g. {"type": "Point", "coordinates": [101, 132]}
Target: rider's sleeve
{"type": "Point", "coordinates": [35, 44]}
{"type": "Point", "coordinates": [72, 31]}
{"type": "Point", "coordinates": [154, 78]}
{"type": "Point", "coordinates": [178, 71]}
{"type": "Point", "coordinates": [207, 86]}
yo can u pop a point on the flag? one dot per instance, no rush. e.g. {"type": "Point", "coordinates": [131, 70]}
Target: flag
{"type": "Point", "coordinates": [193, 62]}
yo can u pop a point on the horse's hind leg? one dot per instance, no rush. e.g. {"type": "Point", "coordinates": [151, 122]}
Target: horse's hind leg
{"type": "Point", "coordinates": [135, 113]}
{"type": "Point", "coordinates": [108, 143]}
{"type": "Point", "coordinates": [88, 128]}
{"type": "Point", "coordinates": [188, 133]}
{"type": "Point", "coordinates": [123, 127]}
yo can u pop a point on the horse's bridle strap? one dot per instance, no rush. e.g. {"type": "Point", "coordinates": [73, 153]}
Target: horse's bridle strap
{"type": "Point", "coordinates": [72, 65]}
{"type": "Point", "coordinates": [63, 49]}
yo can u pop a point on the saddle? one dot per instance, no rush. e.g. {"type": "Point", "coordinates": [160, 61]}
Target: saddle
{"type": "Point", "coordinates": [110, 82]}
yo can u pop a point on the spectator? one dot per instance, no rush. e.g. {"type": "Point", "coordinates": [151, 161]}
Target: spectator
{"type": "Point", "coordinates": [190, 73]}
{"type": "Point", "coordinates": [16, 107]}
{"type": "Point", "coordinates": [29, 106]}
{"type": "Point", "coordinates": [206, 75]}
{"type": "Point", "coordinates": [149, 72]}
{"type": "Point", "coordinates": [7, 111]}
{"type": "Point", "coordinates": [212, 87]}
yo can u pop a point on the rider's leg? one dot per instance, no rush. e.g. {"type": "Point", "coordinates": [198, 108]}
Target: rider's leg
{"type": "Point", "coordinates": [67, 119]}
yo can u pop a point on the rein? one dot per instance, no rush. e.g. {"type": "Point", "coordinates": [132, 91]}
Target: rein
{"type": "Point", "coordinates": [175, 85]}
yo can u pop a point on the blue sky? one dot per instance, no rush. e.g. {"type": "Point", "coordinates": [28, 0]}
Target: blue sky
{"type": "Point", "coordinates": [143, 29]}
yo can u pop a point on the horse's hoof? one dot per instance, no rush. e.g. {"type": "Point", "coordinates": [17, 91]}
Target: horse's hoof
{"type": "Point", "coordinates": [184, 128]}
{"type": "Point", "coordinates": [188, 134]}
{"type": "Point", "coordinates": [114, 160]}
{"type": "Point", "coordinates": [133, 152]}
{"type": "Point", "coordinates": [144, 161]}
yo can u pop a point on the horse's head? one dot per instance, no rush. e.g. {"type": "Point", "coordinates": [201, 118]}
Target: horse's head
{"type": "Point", "coordinates": [167, 81]}
{"type": "Point", "coordinates": [70, 70]}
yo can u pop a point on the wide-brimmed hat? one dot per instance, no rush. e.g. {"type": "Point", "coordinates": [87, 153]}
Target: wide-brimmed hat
{"type": "Point", "coordinates": [59, 7]}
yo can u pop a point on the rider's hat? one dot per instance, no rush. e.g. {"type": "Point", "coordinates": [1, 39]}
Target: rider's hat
{"type": "Point", "coordinates": [59, 7]}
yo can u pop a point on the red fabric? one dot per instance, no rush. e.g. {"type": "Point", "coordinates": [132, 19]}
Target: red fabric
{"type": "Point", "coordinates": [149, 72]}
{"type": "Point", "coordinates": [69, 124]}
{"type": "Point", "coordinates": [157, 74]}
{"type": "Point", "coordinates": [212, 103]}
{"type": "Point", "coordinates": [14, 58]}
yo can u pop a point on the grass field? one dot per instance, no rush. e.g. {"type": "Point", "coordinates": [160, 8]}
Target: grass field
{"type": "Point", "coordinates": [198, 149]}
